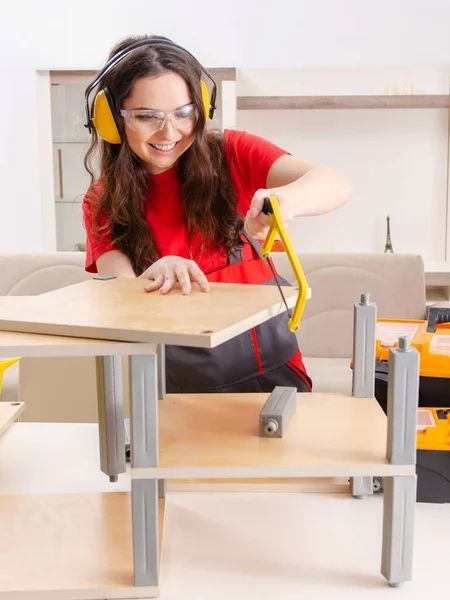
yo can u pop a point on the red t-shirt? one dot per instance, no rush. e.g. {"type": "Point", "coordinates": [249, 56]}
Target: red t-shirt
{"type": "Point", "coordinates": [250, 158]}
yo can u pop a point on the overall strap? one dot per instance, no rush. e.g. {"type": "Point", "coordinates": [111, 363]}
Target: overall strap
{"type": "Point", "coordinates": [254, 243]}
{"type": "Point", "coordinates": [237, 255]}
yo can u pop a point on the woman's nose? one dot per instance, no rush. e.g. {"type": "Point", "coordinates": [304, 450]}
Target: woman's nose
{"type": "Point", "coordinates": [168, 125]}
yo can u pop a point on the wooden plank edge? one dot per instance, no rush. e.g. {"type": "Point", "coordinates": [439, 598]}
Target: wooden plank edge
{"type": "Point", "coordinates": [122, 593]}
{"type": "Point", "coordinates": [92, 347]}
{"type": "Point", "coordinates": [107, 333]}
{"type": "Point", "coordinates": [17, 409]}
{"type": "Point", "coordinates": [273, 472]}
{"type": "Point", "coordinates": [305, 486]}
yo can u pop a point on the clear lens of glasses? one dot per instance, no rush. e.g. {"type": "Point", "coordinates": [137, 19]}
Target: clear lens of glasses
{"type": "Point", "coordinates": [149, 121]}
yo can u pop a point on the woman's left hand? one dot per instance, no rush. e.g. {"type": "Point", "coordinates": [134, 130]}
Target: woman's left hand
{"type": "Point", "coordinates": [256, 223]}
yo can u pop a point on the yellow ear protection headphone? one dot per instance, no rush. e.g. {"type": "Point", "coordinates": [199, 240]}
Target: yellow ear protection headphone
{"type": "Point", "coordinates": [103, 117]}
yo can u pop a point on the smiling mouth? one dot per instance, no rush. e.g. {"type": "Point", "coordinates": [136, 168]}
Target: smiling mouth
{"type": "Point", "coordinates": [165, 148]}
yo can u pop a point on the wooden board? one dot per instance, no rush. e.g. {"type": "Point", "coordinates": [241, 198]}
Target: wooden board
{"type": "Point", "coordinates": [69, 547]}
{"type": "Point", "coordinates": [216, 436]}
{"type": "Point", "coordinates": [31, 345]}
{"type": "Point", "coordinates": [305, 485]}
{"type": "Point", "coordinates": [119, 309]}
{"type": "Point", "coordinates": [9, 412]}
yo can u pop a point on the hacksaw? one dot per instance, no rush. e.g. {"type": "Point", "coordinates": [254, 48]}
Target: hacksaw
{"type": "Point", "coordinates": [272, 209]}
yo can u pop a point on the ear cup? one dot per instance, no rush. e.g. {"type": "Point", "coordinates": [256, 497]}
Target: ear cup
{"type": "Point", "coordinates": [206, 99]}
{"type": "Point", "coordinates": [103, 119]}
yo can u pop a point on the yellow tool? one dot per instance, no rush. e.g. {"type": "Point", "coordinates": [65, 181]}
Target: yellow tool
{"type": "Point", "coordinates": [4, 364]}
{"type": "Point", "coordinates": [271, 208]}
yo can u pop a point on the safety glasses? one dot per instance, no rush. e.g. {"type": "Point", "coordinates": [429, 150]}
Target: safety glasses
{"type": "Point", "coordinates": [147, 121]}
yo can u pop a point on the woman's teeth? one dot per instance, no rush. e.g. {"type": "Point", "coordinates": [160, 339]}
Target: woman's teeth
{"type": "Point", "coordinates": [166, 148]}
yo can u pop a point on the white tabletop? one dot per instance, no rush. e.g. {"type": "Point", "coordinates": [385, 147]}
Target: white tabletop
{"type": "Point", "coordinates": [226, 546]}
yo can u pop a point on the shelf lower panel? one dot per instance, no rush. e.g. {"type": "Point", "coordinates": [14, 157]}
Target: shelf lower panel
{"type": "Point", "coordinates": [212, 436]}
{"type": "Point", "coordinates": [69, 547]}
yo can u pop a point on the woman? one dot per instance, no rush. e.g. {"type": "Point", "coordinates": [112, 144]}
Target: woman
{"type": "Point", "coordinates": [180, 205]}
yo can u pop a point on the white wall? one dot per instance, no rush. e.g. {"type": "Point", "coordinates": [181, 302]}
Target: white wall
{"type": "Point", "coordinates": [396, 159]}
{"type": "Point", "coordinates": [246, 33]}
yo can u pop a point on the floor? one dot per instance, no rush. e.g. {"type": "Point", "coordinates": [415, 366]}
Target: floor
{"type": "Point", "coordinates": [292, 546]}
{"type": "Point", "coordinates": [223, 546]}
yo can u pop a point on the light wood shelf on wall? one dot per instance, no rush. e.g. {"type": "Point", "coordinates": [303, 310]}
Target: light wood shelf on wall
{"type": "Point", "coordinates": [342, 102]}
{"type": "Point", "coordinates": [225, 73]}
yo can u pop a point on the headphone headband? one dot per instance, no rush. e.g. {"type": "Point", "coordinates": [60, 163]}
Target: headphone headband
{"type": "Point", "coordinates": [114, 60]}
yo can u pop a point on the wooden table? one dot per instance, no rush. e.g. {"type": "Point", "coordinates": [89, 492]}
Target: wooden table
{"type": "Point", "coordinates": [183, 437]}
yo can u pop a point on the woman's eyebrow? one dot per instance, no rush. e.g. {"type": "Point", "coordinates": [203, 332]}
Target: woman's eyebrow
{"type": "Point", "coordinates": [159, 109]}
{"type": "Point", "coordinates": [145, 108]}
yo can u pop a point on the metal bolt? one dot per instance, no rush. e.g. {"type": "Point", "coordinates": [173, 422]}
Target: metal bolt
{"type": "Point", "coordinates": [404, 343]}
{"type": "Point", "coordinates": [271, 427]}
{"type": "Point", "coordinates": [365, 299]}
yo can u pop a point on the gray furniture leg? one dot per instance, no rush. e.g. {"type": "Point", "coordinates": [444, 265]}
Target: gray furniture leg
{"type": "Point", "coordinates": [161, 354]}
{"type": "Point", "coordinates": [398, 528]}
{"type": "Point", "coordinates": [363, 376]}
{"type": "Point", "coordinates": [110, 415]}
{"type": "Point", "coordinates": [364, 325]}
{"type": "Point", "coordinates": [361, 486]}
{"type": "Point", "coordinates": [144, 505]}
{"type": "Point", "coordinates": [400, 492]}
{"type": "Point", "coordinates": [402, 402]}
{"type": "Point", "coordinates": [162, 485]}
{"type": "Point", "coordinates": [144, 453]}
{"type": "Point", "coordinates": [162, 488]}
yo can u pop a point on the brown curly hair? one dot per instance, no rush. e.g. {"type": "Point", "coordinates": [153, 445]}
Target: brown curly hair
{"type": "Point", "coordinates": [209, 200]}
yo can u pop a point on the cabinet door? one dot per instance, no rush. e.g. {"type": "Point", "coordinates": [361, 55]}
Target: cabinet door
{"type": "Point", "coordinates": [71, 141]}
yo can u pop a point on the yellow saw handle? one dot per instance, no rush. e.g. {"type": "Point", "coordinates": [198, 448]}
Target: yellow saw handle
{"type": "Point", "coordinates": [271, 208]}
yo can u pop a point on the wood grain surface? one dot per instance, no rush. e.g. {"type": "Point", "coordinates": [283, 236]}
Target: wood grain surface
{"type": "Point", "coordinates": [120, 310]}
{"type": "Point", "coordinates": [216, 436]}
{"type": "Point", "coordinates": [69, 546]}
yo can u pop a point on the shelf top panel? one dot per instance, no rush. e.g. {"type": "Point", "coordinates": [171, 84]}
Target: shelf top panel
{"type": "Point", "coordinates": [216, 435]}
{"type": "Point", "coordinates": [120, 310]}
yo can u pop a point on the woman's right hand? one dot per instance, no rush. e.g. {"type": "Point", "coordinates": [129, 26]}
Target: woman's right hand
{"type": "Point", "coordinates": [169, 270]}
